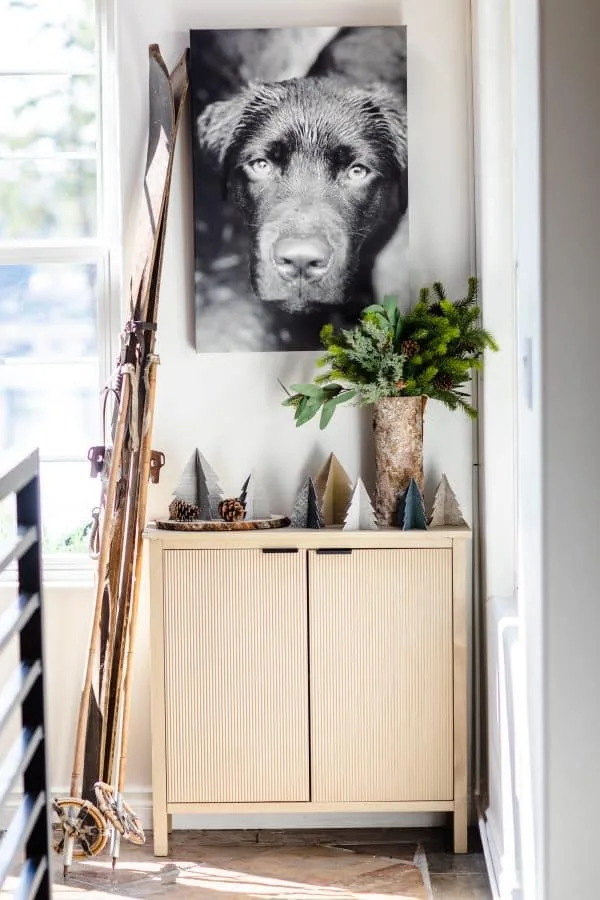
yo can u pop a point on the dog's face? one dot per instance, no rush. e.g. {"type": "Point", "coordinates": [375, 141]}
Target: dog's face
{"type": "Point", "coordinates": [314, 164]}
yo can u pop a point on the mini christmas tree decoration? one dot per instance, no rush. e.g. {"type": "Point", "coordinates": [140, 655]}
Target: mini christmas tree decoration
{"type": "Point", "coordinates": [400, 507]}
{"type": "Point", "coordinates": [254, 498]}
{"type": "Point", "coordinates": [360, 515]}
{"type": "Point", "coordinates": [187, 489]}
{"type": "Point", "coordinates": [306, 512]}
{"type": "Point", "coordinates": [199, 487]}
{"type": "Point", "coordinates": [414, 509]}
{"type": "Point", "coordinates": [231, 510]}
{"type": "Point", "coordinates": [334, 489]}
{"type": "Point", "coordinates": [446, 510]}
{"type": "Point", "coordinates": [210, 492]}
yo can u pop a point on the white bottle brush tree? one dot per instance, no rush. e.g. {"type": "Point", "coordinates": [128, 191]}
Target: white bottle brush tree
{"type": "Point", "coordinates": [360, 515]}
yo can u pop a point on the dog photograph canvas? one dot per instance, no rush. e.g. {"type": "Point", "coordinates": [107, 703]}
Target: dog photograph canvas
{"type": "Point", "coordinates": [300, 181]}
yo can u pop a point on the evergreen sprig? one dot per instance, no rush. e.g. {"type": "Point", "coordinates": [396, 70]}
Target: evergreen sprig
{"type": "Point", "coordinates": [430, 351]}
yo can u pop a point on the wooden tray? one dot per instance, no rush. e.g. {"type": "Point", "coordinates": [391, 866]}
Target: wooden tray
{"type": "Point", "coordinates": [218, 525]}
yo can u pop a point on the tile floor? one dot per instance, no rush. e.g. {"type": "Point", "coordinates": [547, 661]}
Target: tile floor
{"type": "Point", "coordinates": [374, 864]}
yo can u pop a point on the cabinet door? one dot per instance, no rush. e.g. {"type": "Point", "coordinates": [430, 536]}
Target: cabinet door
{"type": "Point", "coordinates": [381, 675]}
{"type": "Point", "coordinates": [236, 676]}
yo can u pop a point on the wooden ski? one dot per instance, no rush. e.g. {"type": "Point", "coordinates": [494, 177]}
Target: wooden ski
{"type": "Point", "coordinates": [102, 727]}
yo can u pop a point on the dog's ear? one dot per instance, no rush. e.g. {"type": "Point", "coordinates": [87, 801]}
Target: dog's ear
{"type": "Point", "coordinates": [221, 122]}
{"type": "Point", "coordinates": [216, 125]}
{"type": "Point", "coordinates": [391, 113]}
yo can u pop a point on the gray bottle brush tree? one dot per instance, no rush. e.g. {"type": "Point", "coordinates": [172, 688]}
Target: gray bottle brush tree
{"type": "Point", "coordinates": [306, 512]}
{"type": "Point", "coordinates": [414, 509]}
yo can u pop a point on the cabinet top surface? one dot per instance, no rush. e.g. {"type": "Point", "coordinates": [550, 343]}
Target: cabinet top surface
{"type": "Point", "coordinates": [334, 537]}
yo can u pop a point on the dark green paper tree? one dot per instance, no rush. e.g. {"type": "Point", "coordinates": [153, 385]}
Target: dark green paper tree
{"type": "Point", "coordinates": [414, 509]}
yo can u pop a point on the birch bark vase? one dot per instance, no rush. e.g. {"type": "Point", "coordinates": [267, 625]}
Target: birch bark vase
{"type": "Point", "coordinates": [398, 433]}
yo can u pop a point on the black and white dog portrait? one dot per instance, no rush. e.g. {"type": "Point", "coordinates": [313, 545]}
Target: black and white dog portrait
{"type": "Point", "coordinates": [300, 165]}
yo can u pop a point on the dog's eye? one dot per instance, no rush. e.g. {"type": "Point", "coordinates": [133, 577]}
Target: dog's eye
{"type": "Point", "coordinates": [259, 168]}
{"type": "Point", "coordinates": [357, 172]}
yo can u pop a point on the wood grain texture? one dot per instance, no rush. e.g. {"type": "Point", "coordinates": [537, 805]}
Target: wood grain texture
{"type": "Point", "coordinates": [309, 539]}
{"type": "Point", "coordinates": [381, 676]}
{"type": "Point", "coordinates": [236, 676]}
{"type": "Point", "coordinates": [268, 808]}
{"type": "Point", "coordinates": [460, 675]}
{"type": "Point", "coordinates": [222, 525]}
{"type": "Point", "coordinates": [157, 702]}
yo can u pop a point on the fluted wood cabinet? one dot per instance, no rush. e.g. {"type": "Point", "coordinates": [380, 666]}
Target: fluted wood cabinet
{"type": "Point", "coordinates": [298, 671]}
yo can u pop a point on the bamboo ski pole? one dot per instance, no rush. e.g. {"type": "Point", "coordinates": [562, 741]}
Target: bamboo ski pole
{"type": "Point", "coordinates": [86, 693]}
{"type": "Point", "coordinates": [111, 727]}
{"type": "Point", "coordinates": [105, 542]}
{"type": "Point", "coordinates": [142, 506]}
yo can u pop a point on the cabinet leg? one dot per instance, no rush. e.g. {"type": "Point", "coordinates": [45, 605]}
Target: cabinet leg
{"type": "Point", "coordinates": [170, 823]}
{"type": "Point", "coordinates": [460, 828]}
{"type": "Point", "coordinates": [161, 832]}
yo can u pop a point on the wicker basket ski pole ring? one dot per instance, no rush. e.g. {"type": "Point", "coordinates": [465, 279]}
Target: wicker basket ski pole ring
{"type": "Point", "coordinates": [80, 820]}
{"type": "Point", "coordinates": [119, 814]}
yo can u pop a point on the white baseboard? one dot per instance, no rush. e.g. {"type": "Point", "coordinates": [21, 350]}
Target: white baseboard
{"type": "Point", "coordinates": [489, 858]}
{"type": "Point", "coordinates": [140, 800]}
{"type": "Point", "coordinates": [503, 877]}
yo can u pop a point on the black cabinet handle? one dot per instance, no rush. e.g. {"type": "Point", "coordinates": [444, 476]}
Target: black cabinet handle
{"type": "Point", "coordinates": [334, 551]}
{"type": "Point", "coordinates": [279, 549]}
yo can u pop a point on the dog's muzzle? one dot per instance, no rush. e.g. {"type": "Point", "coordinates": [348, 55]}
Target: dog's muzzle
{"type": "Point", "coordinates": [299, 258]}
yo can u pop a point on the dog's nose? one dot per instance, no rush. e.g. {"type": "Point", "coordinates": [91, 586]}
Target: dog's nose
{"type": "Point", "coordinates": [302, 257]}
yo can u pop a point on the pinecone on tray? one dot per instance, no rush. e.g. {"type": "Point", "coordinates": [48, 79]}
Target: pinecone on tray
{"type": "Point", "coordinates": [182, 511]}
{"type": "Point", "coordinates": [232, 510]}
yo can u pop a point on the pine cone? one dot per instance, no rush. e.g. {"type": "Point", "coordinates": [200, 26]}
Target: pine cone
{"type": "Point", "coordinates": [409, 348]}
{"type": "Point", "coordinates": [443, 382]}
{"type": "Point", "coordinates": [232, 510]}
{"type": "Point", "coordinates": [182, 511]}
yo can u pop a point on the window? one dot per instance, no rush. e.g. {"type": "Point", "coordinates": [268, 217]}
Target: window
{"type": "Point", "coordinates": [54, 256]}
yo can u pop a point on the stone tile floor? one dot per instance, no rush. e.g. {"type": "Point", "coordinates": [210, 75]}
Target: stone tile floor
{"type": "Point", "coordinates": [350, 864]}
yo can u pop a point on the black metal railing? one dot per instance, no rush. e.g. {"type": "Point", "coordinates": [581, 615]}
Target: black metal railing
{"type": "Point", "coordinates": [28, 834]}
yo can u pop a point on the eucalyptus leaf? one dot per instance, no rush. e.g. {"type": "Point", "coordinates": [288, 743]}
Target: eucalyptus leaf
{"type": "Point", "coordinates": [310, 408]}
{"type": "Point", "coordinates": [391, 308]}
{"type": "Point", "coordinates": [327, 413]}
{"type": "Point", "coordinates": [309, 390]}
{"type": "Point", "coordinates": [346, 395]}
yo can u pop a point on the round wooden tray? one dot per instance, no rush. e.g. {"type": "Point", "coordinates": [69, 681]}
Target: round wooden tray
{"type": "Point", "coordinates": [219, 525]}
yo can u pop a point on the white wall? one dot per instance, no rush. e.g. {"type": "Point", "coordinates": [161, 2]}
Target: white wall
{"type": "Point", "coordinates": [528, 238]}
{"type": "Point", "coordinates": [558, 222]}
{"type": "Point", "coordinates": [230, 405]}
{"type": "Point", "coordinates": [570, 330]}
{"type": "Point", "coordinates": [494, 175]}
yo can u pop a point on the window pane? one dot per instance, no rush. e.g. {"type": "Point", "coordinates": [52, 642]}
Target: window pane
{"type": "Point", "coordinates": [48, 311]}
{"type": "Point", "coordinates": [47, 34]}
{"type": "Point", "coordinates": [51, 406]}
{"type": "Point", "coordinates": [67, 498]}
{"type": "Point", "coordinates": [43, 115]}
{"type": "Point", "coordinates": [47, 199]}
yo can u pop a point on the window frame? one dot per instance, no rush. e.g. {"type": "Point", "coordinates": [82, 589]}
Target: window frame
{"type": "Point", "coordinates": [104, 251]}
